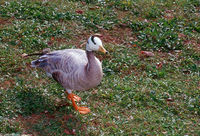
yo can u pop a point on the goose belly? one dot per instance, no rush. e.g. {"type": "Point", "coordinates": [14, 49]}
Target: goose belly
{"type": "Point", "coordinates": [84, 83]}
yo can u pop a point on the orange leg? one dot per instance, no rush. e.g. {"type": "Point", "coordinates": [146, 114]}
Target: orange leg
{"type": "Point", "coordinates": [75, 97]}
{"type": "Point", "coordinates": [82, 110]}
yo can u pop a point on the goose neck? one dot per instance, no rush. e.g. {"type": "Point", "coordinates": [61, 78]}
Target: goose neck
{"type": "Point", "coordinates": [90, 56]}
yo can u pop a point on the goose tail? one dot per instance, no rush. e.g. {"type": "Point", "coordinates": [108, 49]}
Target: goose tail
{"type": "Point", "coordinates": [34, 63]}
{"type": "Point", "coordinates": [39, 63]}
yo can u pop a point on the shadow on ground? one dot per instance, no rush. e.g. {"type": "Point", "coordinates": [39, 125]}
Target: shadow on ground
{"type": "Point", "coordinates": [39, 114]}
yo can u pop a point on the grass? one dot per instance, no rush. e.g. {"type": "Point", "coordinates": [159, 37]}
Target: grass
{"type": "Point", "coordinates": [139, 95]}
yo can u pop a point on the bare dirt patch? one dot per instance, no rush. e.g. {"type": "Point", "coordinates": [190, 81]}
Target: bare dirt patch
{"type": "Point", "coordinates": [5, 21]}
{"type": "Point", "coordinates": [118, 35]}
{"type": "Point", "coordinates": [45, 119]}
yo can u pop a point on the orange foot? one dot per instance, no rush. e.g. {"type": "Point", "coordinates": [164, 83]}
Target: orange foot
{"type": "Point", "coordinates": [73, 96]}
{"type": "Point", "coordinates": [83, 110]}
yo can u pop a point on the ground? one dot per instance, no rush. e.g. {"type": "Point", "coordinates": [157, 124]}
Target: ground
{"type": "Point", "coordinates": [151, 83]}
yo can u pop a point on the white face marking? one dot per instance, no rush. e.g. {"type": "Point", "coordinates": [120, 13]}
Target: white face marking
{"type": "Point", "coordinates": [93, 44]}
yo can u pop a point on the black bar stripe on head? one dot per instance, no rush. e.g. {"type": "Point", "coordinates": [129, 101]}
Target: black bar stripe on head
{"type": "Point", "coordinates": [92, 38]}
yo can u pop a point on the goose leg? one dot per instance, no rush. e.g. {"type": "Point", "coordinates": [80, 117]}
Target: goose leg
{"type": "Point", "coordinates": [82, 110]}
{"type": "Point", "coordinates": [75, 97]}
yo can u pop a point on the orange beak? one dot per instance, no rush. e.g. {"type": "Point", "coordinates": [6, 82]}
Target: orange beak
{"type": "Point", "coordinates": [102, 49]}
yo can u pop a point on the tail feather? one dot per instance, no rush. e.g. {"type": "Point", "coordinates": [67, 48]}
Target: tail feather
{"type": "Point", "coordinates": [34, 63]}
{"type": "Point", "coordinates": [39, 63]}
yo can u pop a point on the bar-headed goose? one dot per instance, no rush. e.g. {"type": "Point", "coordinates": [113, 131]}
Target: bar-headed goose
{"type": "Point", "coordinates": [74, 69]}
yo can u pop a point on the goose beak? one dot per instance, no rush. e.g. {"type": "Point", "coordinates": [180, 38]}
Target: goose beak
{"type": "Point", "coordinates": [102, 49]}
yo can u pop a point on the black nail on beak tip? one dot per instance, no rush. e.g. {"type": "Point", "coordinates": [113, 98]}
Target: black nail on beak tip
{"type": "Point", "coordinates": [107, 52]}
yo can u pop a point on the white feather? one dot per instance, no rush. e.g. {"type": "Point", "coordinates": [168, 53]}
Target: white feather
{"type": "Point", "coordinates": [90, 46]}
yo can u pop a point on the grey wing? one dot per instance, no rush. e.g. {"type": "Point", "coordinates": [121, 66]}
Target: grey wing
{"type": "Point", "coordinates": [66, 60]}
{"type": "Point", "coordinates": [48, 62]}
{"type": "Point", "coordinates": [66, 67]}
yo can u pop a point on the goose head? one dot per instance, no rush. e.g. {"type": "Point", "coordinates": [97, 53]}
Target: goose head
{"type": "Point", "coordinates": [95, 44]}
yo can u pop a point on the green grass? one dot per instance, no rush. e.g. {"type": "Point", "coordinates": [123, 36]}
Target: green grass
{"type": "Point", "coordinates": [138, 95]}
